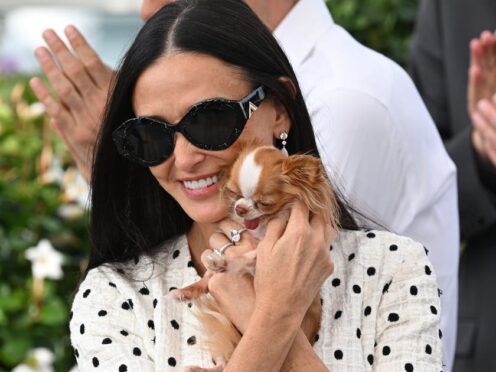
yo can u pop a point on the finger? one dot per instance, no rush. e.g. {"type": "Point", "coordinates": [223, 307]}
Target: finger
{"type": "Point", "coordinates": [488, 110]}
{"type": "Point", "coordinates": [475, 52]}
{"type": "Point", "coordinates": [275, 229]}
{"type": "Point", "coordinates": [298, 217]}
{"type": "Point", "coordinates": [65, 89]}
{"type": "Point", "coordinates": [486, 130]}
{"type": "Point", "coordinates": [89, 58]}
{"type": "Point", "coordinates": [227, 225]}
{"type": "Point", "coordinates": [218, 240]}
{"type": "Point", "coordinates": [55, 110]}
{"type": "Point", "coordinates": [490, 149]}
{"type": "Point", "coordinates": [71, 66]}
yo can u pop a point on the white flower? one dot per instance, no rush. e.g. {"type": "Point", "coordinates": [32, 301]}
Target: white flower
{"type": "Point", "coordinates": [23, 368]}
{"type": "Point", "coordinates": [46, 261]}
{"type": "Point", "coordinates": [55, 173]}
{"type": "Point", "coordinates": [39, 360]}
{"type": "Point", "coordinates": [76, 189]}
{"type": "Point", "coordinates": [70, 211]}
{"type": "Point", "coordinates": [74, 369]}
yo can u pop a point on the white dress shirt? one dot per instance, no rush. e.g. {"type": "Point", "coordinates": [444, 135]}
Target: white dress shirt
{"type": "Point", "coordinates": [379, 311]}
{"type": "Point", "coordinates": [378, 142]}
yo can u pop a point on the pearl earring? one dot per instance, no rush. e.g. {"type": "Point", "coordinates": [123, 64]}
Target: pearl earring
{"type": "Point", "coordinates": [284, 136]}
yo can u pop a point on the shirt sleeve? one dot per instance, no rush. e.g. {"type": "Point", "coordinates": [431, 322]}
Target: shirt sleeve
{"type": "Point", "coordinates": [408, 337]}
{"type": "Point", "coordinates": [104, 326]}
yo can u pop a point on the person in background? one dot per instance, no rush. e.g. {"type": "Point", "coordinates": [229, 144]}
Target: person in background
{"type": "Point", "coordinates": [373, 132]}
{"type": "Point", "coordinates": [445, 46]}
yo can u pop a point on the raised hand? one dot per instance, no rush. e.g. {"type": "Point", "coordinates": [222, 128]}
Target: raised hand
{"type": "Point", "coordinates": [81, 82]}
{"type": "Point", "coordinates": [482, 95]}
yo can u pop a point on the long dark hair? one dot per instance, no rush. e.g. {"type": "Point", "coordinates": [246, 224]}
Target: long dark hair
{"type": "Point", "coordinates": [131, 213]}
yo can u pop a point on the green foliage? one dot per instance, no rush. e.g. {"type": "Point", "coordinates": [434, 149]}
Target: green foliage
{"type": "Point", "coordinates": [383, 25]}
{"type": "Point", "coordinates": [29, 212]}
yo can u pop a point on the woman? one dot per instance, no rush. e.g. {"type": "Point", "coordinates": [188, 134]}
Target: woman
{"type": "Point", "coordinates": [213, 69]}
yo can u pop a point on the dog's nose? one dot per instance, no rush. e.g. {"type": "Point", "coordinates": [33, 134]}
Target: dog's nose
{"type": "Point", "coordinates": [240, 210]}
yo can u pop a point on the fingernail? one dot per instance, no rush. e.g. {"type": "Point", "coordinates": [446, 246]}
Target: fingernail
{"type": "Point", "coordinates": [71, 32]}
{"type": "Point", "coordinates": [41, 54]}
{"type": "Point", "coordinates": [49, 35]}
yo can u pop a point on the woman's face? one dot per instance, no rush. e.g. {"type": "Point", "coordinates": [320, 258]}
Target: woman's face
{"type": "Point", "coordinates": [168, 89]}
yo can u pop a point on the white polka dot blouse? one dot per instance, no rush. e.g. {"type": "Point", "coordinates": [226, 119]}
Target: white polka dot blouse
{"type": "Point", "coordinates": [381, 310]}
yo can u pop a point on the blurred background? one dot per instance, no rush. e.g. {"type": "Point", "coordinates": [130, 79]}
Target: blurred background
{"type": "Point", "coordinates": [43, 199]}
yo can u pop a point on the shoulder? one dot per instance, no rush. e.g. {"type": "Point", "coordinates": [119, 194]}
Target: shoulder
{"type": "Point", "coordinates": [385, 247]}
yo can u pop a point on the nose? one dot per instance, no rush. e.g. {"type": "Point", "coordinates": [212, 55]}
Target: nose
{"type": "Point", "coordinates": [186, 156]}
{"type": "Point", "coordinates": [240, 210]}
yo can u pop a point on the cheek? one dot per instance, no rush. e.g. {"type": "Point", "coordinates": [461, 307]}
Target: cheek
{"type": "Point", "coordinates": [260, 128]}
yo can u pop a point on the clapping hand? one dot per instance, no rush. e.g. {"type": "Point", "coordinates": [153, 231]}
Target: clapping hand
{"type": "Point", "coordinates": [81, 82]}
{"type": "Point", "coordinates": [482, 95]}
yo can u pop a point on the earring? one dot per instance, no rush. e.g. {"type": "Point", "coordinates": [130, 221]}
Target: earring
{"type": "Point", "coordinates": [284, 136]}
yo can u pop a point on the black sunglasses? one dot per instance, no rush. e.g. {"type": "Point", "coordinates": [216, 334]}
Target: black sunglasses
{"type": "Point", "coordinates": [210, 125]}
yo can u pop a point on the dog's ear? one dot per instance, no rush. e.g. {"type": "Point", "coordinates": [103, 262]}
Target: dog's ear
{"type": "Point", "coordinates": [305, 178]}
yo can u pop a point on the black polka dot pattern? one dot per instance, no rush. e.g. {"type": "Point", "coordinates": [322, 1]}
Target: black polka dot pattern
{"type": "Point", "coordinates": [357, 288]}
{"type": "Point", "coordinates": [393, 317]}
{"type": "Point", "coordinates": [151, 325]}
{"type": "Point", "coordinates": [428, 349]}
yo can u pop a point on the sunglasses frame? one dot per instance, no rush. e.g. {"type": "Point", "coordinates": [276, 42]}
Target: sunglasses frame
{"type": "Point", "coordinates": [246, 106]}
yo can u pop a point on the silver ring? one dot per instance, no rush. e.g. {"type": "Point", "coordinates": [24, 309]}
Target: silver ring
{"type": "Point", "coordinates": [220, 251]}
{"type": "Point", "coordinates": [235, 235]}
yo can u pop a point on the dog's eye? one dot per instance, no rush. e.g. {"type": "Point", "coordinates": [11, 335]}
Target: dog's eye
{"type": "Point", "coordinates": [229, 194]}
{"type": "Point", "coordinates": [263, 204]}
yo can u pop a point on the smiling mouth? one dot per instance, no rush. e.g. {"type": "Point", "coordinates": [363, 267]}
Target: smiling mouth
{"type": "Point", "coordinates": [201, 183]}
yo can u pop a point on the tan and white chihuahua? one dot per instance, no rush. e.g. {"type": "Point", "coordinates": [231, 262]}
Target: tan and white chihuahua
{"type": "Point", "coordinates": [261, 184]}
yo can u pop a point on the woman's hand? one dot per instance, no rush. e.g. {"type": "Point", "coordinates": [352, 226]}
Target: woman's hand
{"type": "Point", "coordinates": [233, 289]}
{"type": "Point", "coordinates": [293, 261]}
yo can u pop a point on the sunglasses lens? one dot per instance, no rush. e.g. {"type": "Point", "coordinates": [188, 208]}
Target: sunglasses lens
{"type": "Point", "coordinates": [148, 141]}
{"type": "Point", "coordinates": [214, 125]}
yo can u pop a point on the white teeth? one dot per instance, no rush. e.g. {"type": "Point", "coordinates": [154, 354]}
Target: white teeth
{"type": "Point", "coordinates": [200, 184]}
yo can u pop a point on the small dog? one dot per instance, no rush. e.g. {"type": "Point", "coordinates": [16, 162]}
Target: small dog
{"type": "Point", "coordinates": [261, 184]}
